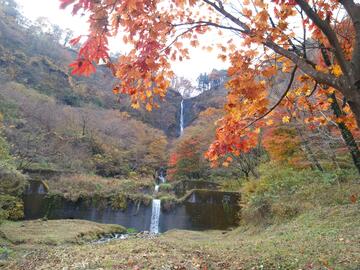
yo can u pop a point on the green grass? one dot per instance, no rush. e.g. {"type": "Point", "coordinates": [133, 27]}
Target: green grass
{"type": "Point", "coordinates": [131, 230]}
{"type": "Point", "coordinates": [75, 186]}
{"type": "Point", "coordinates": [322, 239]}
{"type": "Point", "coordinates": [55, 232]}
{"type": "Point", "coordinates": [165, 187]}
{"type": "Point", "coordinates": [282, 193]}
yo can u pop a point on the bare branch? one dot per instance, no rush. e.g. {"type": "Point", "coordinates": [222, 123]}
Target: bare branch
{"type": "Point", "coordinates": [228, 15]}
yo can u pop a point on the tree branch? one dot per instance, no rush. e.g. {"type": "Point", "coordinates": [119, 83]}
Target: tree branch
{"type": "Point", "coordinates": [325, 27]}
{"type": "Point", "coordinates": [207, 23]}
{"type": "Point", "coordinates": [313, 91]}
{"type": "Point", "coordinates": [292, 76]}
{"type": "Point", "coordinates": [306, 67]}
{"type": "Point", "coordinates": [303, 64]}
{"type": "Point", "coordinates": [353, 10]}
{"type": "Point", "coordinates": [228, 15]}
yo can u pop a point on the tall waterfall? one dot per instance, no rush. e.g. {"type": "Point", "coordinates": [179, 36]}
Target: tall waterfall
{"type": "Point", "coordinates": [155, 216]}
{"type": "Point", "coordinates": [182, 117]}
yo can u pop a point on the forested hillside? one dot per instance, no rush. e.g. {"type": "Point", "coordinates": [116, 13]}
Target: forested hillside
{"type": "Point", "coordinates": [35, 54]}
{"type": "Point", "coordinates": [34, 71]}
{"type": "Point", "coordinates": [259, 164]}
{"type": "Point", "coordinates": [58, 122]}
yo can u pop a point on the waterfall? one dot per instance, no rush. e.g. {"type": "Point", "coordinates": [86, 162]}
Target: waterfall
{"type": "Point", "coordinates": [182, 117]}
{"type": "Point", "coordinates": [156, 206]}
{"type": "Point", "coordinates": [155, 216]}
{"type": "Point", "coordinates": [41, 189]}
{"type": "Point", "coordinates": [162, 178]}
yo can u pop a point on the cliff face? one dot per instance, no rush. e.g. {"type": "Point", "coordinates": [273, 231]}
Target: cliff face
{"type": "Point", "coordinates": [193, 106]}
{"type": "Point", "coordinates": [167, 117]}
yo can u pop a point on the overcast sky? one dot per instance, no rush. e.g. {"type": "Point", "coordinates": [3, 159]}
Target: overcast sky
{"type": "Point", "coordinates": [200, 62]}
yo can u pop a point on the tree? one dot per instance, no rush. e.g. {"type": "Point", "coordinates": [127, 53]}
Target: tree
{"type": "Point", "coordinates": [10, 8]}
{"type": "Point", "coordinates": [183, 86]}
{"type": "Point", "coordinates": [5, 158]}
{"type": "Point", "coordinates": [203, 82]}
{"type": "Point", "coordinates": [68, 34]}
{"type": "Point", "coordinates": [186, 161]}
{"type": "Point", "coordinates": [216, 78]}
{"type": "Point", "coordinates": [277, 36]}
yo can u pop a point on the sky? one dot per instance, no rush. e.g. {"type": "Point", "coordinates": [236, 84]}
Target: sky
{"type": "Point", "coordinates": [201, 61]}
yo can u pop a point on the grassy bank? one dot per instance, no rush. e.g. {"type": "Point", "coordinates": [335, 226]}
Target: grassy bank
{"type": "Point", "coordinates": [283, 193]}
{"type": "Point", "coordinates": [54, 232]}
{"type": "Point", "coordinates": [325, 238]}
{"type": "Point", "coordinates": [76, 186]}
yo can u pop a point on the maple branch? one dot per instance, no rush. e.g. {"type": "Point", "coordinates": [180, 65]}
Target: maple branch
{"type": "Point", "coordinates": [196, 25]}
{"type": "Point", "coordinates": [295, 49]}
{"type": "Point", "coordinates": [314, 89]}
{"type": "Point", "coordinates": [307, 68]}
{"type": "Point", "coordinates": [292, 76]}
{"type": "Point", "coordinates": [325, 27]}
{"type": "Point", "coordinates": [304, 32]}
{"type": "Point", "coordinates": [207, 23]}
{"type": "Point", "coordinates": [353, 9]}
{"type": "Point", "coordinates": [178, 36]}
{"type": "Point", "coordinates": [305, 65]}
{"type": "Point", "coordinates": [228, 15]}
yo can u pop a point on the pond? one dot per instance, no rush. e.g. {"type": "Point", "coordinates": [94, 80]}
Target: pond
{"type": "Point", "coordinates": [200, 210]}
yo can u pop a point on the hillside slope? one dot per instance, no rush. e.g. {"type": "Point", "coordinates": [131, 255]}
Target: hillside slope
{"type": "Point", "coordinates": [33, 57]}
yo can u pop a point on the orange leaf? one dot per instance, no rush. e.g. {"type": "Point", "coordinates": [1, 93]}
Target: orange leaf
{"type": "Point", "coordinates": [353, 198]}
{"type": "Point", "coordinates": [116, 90]}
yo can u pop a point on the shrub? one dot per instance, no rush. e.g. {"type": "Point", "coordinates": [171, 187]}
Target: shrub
{"type": "Point", "coordinates": [11, 207]}
{"type": "Point", "coordinates": [110, 165]}
{"type": "Point", "coordinates": [12, 182]}
{"type": "Point", "coordinates": [119, 202]}
{"type": "Point", "coordinates": [166, 187]}
{"type": "Point", "coordinates": [131, 230]}
{"type": "Point", "coordinates": [283, 192]}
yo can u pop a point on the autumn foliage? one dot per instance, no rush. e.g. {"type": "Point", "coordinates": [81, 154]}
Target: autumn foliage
{"type": "Point", "coordinates": [271, 40]}
{"type": "Point", "coordinates": [185, 162]}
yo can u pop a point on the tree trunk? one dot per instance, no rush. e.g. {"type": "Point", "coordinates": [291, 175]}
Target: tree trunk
{"type": "Point", "coordinates": [254, 172]}
{"type": "Point", "coordinates": [354, 104]}
{"type": "Point", "coordinates": [309, 153]}
{"type": "Point", "coordinates": [331, 148]}
{"type": "Point", "coordinates": [346, 133]}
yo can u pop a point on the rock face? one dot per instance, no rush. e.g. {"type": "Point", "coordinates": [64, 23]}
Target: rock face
{"type": "Point", "coordinates": [194, 106]}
